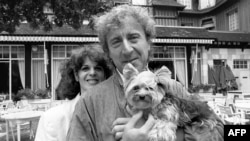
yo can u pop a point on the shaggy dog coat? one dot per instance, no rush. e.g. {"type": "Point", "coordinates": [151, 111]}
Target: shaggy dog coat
{"type": "Point", "coordinates": [152, 93]}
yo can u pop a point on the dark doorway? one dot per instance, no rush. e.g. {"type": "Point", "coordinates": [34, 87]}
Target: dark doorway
{"type": "Point", "coordinates": [4, 81]}
{"type": "Point", "coordinates": [16, 78]}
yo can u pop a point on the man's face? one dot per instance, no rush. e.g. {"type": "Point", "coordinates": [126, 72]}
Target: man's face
{"type": "Point", "coordinates": [128, 44]}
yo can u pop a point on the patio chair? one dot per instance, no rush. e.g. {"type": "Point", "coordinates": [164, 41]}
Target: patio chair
{"type": "Point", "coordinates": [56, 103]}
{"type": "Point", "coordinates": [25, 125]}
{"type": "Point", "coordinates": [220, 101]}
{"type": "Point", "coordinates": [229, 117]}
{"type": "Point", "coordinates": [24, 104]}
{"type": "Point", "coordinates": [242, 101]}
{"type": "Point", "coordinates": [239, 103]}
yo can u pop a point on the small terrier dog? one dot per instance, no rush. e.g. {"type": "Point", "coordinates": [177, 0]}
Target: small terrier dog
{"type": "Point", "coordinates": [152, 93]}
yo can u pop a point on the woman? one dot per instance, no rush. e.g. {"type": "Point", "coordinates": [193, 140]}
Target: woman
{"type": "Point", "coordinates": [86, 68]}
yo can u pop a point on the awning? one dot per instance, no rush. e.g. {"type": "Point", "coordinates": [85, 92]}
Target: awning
{"type": "Point", "coordinates": [184, 41]}
{"type": "Point", "coordinates": [94, 39]}
{"type": "Point", "coordinates": [47, 39]}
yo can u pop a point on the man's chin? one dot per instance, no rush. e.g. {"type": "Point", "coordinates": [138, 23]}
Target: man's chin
{"type": "Point", "coordinates": [137, 65]}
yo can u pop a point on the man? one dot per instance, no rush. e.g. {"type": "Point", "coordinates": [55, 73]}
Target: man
{"type": "Point", "coordinates": [125, 34]}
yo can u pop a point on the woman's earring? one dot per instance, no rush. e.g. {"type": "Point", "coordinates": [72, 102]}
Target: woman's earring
{"type": "Point", "coordinates": [76, 77]}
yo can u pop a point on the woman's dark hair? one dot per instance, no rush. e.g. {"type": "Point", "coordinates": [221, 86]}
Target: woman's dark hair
{"type": "Point", "coordinates": [68, 87]}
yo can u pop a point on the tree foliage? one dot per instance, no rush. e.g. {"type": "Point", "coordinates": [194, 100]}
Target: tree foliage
{"type": "Point", "coordinates": [71, 12]}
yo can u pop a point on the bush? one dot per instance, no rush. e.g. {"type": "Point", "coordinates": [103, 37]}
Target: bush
{"type": "Point", "coordinates": [26, 93]}
{"type": "Point", "coordinates": [197, 88]}
{"type": "Point", "coordinates": [42, 93]}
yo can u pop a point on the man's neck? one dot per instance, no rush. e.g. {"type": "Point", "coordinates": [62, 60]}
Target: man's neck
{"type": "Point", "coordinates": [121, 75]}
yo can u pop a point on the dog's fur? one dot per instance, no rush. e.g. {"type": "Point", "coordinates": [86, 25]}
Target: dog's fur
{"type": "Point", "coordinates": [151, 93]}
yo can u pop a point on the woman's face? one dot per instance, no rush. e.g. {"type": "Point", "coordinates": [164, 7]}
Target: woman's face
{"type": "Point", "coordinates": [89, 75]}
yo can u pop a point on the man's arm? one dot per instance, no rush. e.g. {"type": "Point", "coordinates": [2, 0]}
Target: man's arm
{"type": "Point", "coordinates": [205, 133]}
{"type": "Point", "coordinates": [81, 126]}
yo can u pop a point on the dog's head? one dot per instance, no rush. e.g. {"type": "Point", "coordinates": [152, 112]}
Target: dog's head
{"type": "Point", "coordinates": [144, 90]}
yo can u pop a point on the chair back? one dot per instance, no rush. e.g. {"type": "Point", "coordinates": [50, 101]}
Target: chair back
{"type": "Point", "coordinates": [10, 104]}
{"type": "Point", "coordinates": [24, 104]}
{"type": "Point", "coordinates": [56, 103]}
{"type": "Point", "coordinates": [2, 98]}
{"type": "Point", "coordinates": [220, 101]}
{"type": "Point", "coordinates": [226, 113]}
{"type": "Point", "coordinates": [242, 101]}
{"type": "Point", "coordinates": [225, 110]}
{"type": "Point", "coordinates": [230, 100]}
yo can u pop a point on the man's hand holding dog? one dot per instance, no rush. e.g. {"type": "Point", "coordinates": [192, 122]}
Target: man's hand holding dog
{"type": "Point", "coordinates": [134, 128]}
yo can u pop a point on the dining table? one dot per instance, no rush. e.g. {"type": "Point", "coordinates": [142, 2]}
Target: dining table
{"type": "Point", "coordinates": [20, 118]}
{"type": "Point", "coordinates": [243, 106]}
{"type": "Point", "coordinates": [42, 104]}
{"type": "Point", "coordinates": [239, 94]}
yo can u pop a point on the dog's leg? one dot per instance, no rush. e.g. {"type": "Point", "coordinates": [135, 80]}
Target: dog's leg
{"type": "Point", "coordinates": [163, 131]}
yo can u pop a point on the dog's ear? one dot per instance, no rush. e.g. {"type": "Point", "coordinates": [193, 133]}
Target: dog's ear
{"type": "Point", "coordinates": [129, 71]}
{"type": "Point", "coordinates": [170, 86]}
{"type": "Point", "coordinates": [163, 72]}
{"type": "Point", "coordinates": [163, 77]}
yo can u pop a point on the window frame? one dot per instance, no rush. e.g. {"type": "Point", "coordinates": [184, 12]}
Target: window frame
{"type": "Point", "coordinates": [208, 25]}
{"type": "Point", "coordinates": [233, 19]}
{"type": "Point", "coordinates": [240, 64]}
{"type": "Point", "coordinates": [187, 3]}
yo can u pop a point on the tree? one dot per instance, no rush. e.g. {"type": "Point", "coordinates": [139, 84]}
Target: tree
{"type": "Point", "coordinates": [70, 12]}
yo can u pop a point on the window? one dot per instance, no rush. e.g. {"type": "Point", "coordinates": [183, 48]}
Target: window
{"type": "Point", "coordinates": [47, 10]}
{"type": "Point", "coordinates": [12, 64]}
{"type": "Point", "coordinates": [17, 52]}
{"type": "Point", "coordinates": [120, 2]}
{"type": "Point", "coordinates": [139, 2]}
{"type": "Point", "coordinates": [208, 23]}
{"type": "Point", "coordinates": [4, 52]}
{"type": "Point", "coordinates": [165, 17]}
{"type": "Point", "coordinates": [233, 20]}
{"type": "Point", "coordinates": [203, 4]}
{"type": "Point", "coordinates": [195, 60]}
{"type": "Point", "coordinates": [60, 53]}
{"type": "Point", "coordinates": [63, 51]}
{"type": "Point", "coordinates": [174, 57]}
{"type": "Point", "coordinates": [187, 3]}
{"type": "Point", "coordinates": [219, 62]}
{"type": "Point", "coordinates": [240, 64]}
{"type": "Point", "coordinates": [38, 68]}
{"type": "Point", "coordinates": [163, 52]}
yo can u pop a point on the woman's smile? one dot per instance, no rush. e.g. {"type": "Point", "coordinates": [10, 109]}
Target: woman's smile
{"type": "Point", "coordinates": [92, 81]}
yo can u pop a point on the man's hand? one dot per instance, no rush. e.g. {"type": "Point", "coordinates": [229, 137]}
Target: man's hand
{"type": "Point", "coordinates": [119, 126]}
{"type": "Point", "coordinates": [126, 128]}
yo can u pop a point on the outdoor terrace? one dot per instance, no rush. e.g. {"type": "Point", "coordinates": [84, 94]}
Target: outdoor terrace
{"type": "Point", "coordinates": [240, 106]}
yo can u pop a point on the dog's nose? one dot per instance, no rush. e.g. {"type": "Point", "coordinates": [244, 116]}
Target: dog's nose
{"type": "Point", "coordinates": [142, 97]}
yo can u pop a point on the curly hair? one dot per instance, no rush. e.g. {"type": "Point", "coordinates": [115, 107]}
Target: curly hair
{"type": "Point", "coordinates": [113, 18]}
{"type": "Point", "coordinates": [68, 87]}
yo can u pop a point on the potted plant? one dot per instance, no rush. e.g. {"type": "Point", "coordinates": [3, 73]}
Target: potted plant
{"type": "Point", "coordinates": [42, 93]}
{"type": "Point", "coordinates": [202, 88]}
{"type": "Point", "coordinates": [26, 93]}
